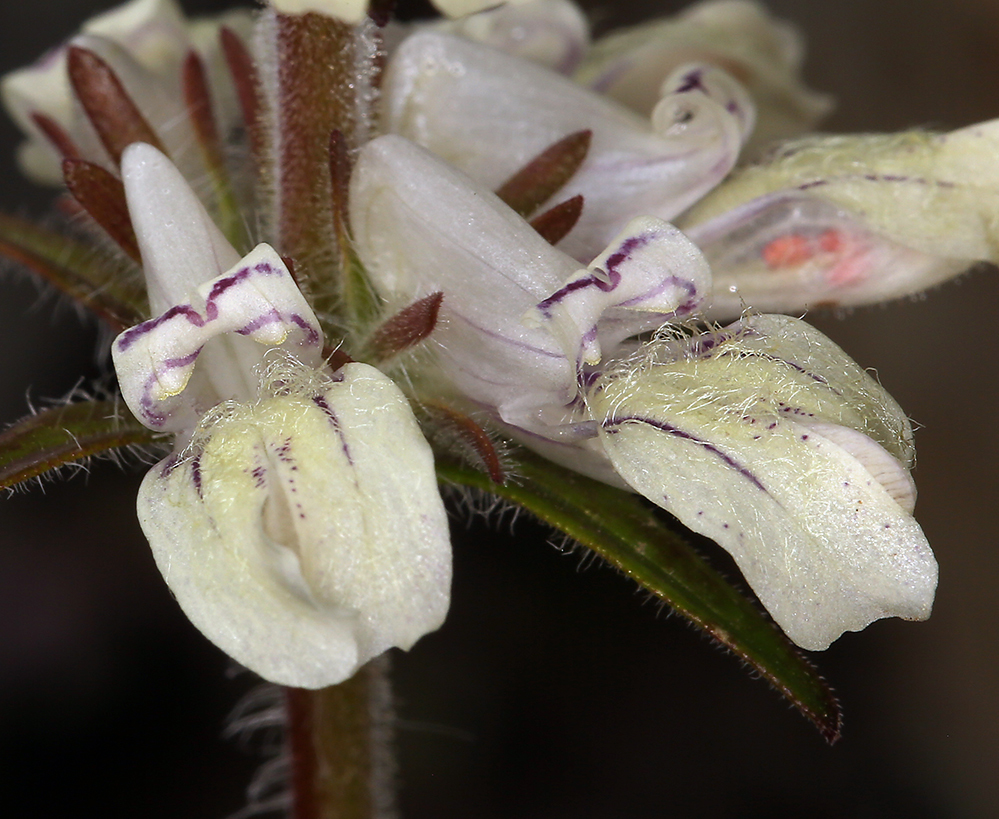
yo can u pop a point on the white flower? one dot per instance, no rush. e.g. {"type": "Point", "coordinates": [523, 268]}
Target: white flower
{"type": "Point", "coordinates": [353, 11]}
{"type": "Point", "coordinates": [298, 520]}
{"type": "Point", "coordinates": [768, 439]}
{"type": "Point", "coordinates": [554, 33]}
{"type": "Point", "coordinates": [145, 43]}
{"type": "Point", "coordinates": [851, 220]}
{"type": "Point", "coordinates": [488, 114]}
{"type": "Point", "coordinates": [740, 37]}
{"type": "Point", "coordinates": [763, 435]}
{"type": "Point", "coordinates": [820, 221]}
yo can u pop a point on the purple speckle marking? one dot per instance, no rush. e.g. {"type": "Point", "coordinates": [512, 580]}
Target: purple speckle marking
{"type": "Point", "coordinates": [259, 474]}
{"type": "Point", "coordinates": [196, 475]}
{"type": "Point", "coordinates": [692, 81]}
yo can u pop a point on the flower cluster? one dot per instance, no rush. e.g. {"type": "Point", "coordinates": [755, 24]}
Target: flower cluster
{"type": "Point", "coordinates": [528, 233]}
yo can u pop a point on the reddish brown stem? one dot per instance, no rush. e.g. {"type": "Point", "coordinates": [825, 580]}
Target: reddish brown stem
{"type": "Point", "coordinates": [334, 737]}
{"type": "Point", "coordinates": [244, 78]}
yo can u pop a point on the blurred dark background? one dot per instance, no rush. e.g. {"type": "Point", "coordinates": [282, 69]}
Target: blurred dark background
{"type": "Point", "coordinates": [553, 690]}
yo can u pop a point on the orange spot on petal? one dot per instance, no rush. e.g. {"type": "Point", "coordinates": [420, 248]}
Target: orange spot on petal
{"type": "Point", "coordinates": [787, 251]}
{"type": "Point", "coordinates": [832, 241]}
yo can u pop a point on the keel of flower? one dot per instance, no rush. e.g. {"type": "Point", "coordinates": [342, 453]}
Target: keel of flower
{"type": "Point", "coordinates": [766, 438]}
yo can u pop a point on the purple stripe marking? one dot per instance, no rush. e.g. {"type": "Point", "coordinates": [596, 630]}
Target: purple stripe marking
{"type": "Point", "coordinates": [312, 336]}
{"type": "Point", "coordinates": [270, 317]}
{"type": "Point", "coordinates": [321, 402]}
{"type": "Point", "coordinates": [662, 426]}
{"type": "Point", "coordinates": [156, 418]}
{"type": "Point", "coordinates": [628, 246]}
{"type": "Point", "coordinates": [129, 337]}
{"type": "Point", "coordinates": [579, 284]}
{"type": "Point", "coordinates": [624, 253]}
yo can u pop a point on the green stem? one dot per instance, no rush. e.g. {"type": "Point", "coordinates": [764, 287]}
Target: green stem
{"type": "Point", "coordinates": [340, 745]}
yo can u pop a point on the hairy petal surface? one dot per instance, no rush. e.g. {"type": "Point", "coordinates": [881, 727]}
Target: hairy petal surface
{"type": "Point", "coordinates": [489, 114]}
{"type": "Point", "coordinates": [744, 443]}
{"type": "Point", "coordinates": [304, 534]}
{"type": "Point", "coordinates": [851, 220]}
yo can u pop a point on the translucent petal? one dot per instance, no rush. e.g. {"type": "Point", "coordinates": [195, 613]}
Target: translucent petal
{"type": "Point", "coordinates": [305, 534]}
{"type": "Point", "coordinates": [852, 220]}
{"type": "Point", "coordinates": [489, 114]}
{"type": "Point", "coordinates": [740, 37]}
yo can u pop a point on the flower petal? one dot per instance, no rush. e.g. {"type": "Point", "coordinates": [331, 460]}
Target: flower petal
{"type": "Point", "coordinates": [552, 33]}
{"type": "Point", "coordinates": [257, 299]}
{"type": "Point", "coordinates": [421, 227]}
{"type": "Point", "coordinates": [651, 273]}
{"type": "Point", "coordinates": [764, 54]}
{"type": "Point", "coordinates": [735, 441]}
{"type": "Point", "coordinates": [180, 244]}
{"type": "Point", "coordinates": [304, 535]}
{"type": "Point", "coordinates": [489, 114]}
{"type": "Point", "coordinates": [852, 220]}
